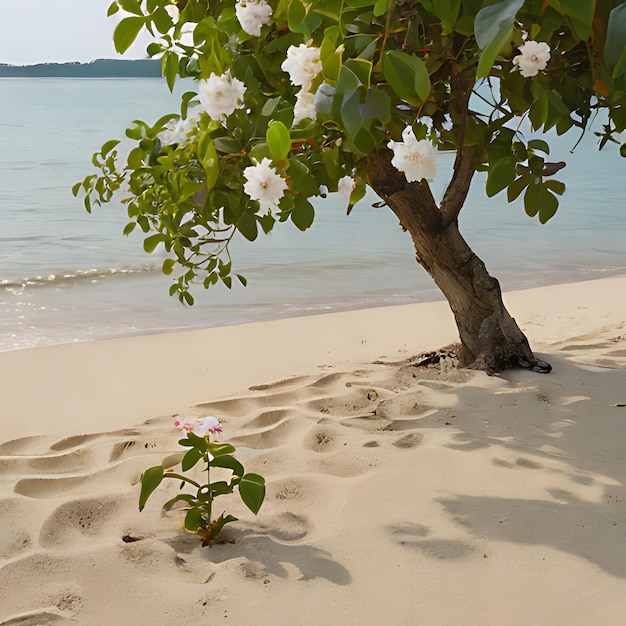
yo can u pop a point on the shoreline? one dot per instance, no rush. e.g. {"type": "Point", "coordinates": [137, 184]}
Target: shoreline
{"type": "Point", "coordinates": [155, 374]}
{"type": "Point", "coordinates": [246, 312]}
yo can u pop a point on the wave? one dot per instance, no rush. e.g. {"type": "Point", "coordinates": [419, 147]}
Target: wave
{"type": "Point", "coordinates": [77, 276]}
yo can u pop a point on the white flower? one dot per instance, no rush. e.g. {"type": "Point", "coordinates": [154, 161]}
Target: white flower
{"type": "Point", "coordinates": [202, 427]}
{"type": "Point", "coordinates": [220, 95]}
{"type": "Point", "coordinates": [264, 185]}
{"type": "Point", "coordinates": [252, 15]}
{"type": "Point", "coordinates": [302, 64]}
{"type": "Point", "coordinates": [346, 186]}
{"type": "Point", "coordinates": [304, 107]}
{"type": "Point", "coordinates": [534, 56]}
{"type": "Point", "coordinates": [416, 159]}
{"type": "Point", "coordinates": [173, 12]}
{"type": "Point", "coordinates": [177, 131]}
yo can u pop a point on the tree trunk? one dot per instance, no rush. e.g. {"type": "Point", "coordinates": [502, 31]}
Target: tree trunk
{"type": "Point", "coordinates": [490, 338]}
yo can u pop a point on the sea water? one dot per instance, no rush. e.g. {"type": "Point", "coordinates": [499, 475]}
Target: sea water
{"type": "Point", "coordinates": [69, 276]}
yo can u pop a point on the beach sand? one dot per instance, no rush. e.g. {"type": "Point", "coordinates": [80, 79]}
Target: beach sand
{"type": "Point", "coordinates": [396, 494]}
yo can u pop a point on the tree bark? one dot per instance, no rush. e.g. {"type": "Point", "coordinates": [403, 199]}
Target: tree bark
{"type": "Point", "coordinates": [490, 338]}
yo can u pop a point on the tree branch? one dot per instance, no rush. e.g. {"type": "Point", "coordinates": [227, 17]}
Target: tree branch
{"type": "Point", "coordinates": [458, 188]}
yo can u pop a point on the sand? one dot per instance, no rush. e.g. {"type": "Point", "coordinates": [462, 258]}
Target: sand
{"type": "Point", "coordinates": [396, 494]}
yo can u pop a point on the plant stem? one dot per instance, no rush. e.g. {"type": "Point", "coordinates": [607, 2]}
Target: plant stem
{"type": "Point", "coordinates": [208, 478]}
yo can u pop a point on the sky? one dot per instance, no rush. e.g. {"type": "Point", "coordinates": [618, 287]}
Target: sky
{"type": "Point", "coordinates": [58, 31]}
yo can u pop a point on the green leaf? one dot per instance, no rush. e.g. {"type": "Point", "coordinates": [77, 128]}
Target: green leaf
{"type": "Point", "coordinates": [210, 162]}
{"type": "Point", "coordinates": [382, 6]}
{"type": "Point", "coordinates": [126, 32]}
{"type": "Point", "coordinates": [278, 140]}
{"type": "Point", "coordinates": [361, 68]}
{"type": "Point", "coordinates": [580, 13]}
{"type": "Point", "coordinates": [614, 49]}
{"type": "Point", "coordinates": [555, 185]}
{"type": "Point", "coordinates": [114, 7]}
{"type": "Point", "coordinates": [539, 200]}
{"type": "Point", "coordinates": [303, 213]}
{"type": "Point", "coordinates": [229, 462]}
{"type": "Point", "coordinates": [150, 480]}
{"type": "Point", "coordinates": [169, 68]}
{"type": "Point", "coordinates": [247, 226]}
{"type": "Point", "coordinates": [447, 11]}
{"type": "Point", "coordinates": [192, 456]}
{"type": "Point", "coordinates": [407, 75]}
{"type": "Point", "coordinates": [500, 175]}
{"type": "Point", "coordinates": [220, 449]}
{"type": "Point", "coordinates": [493, 28]}
{"type": "Point", "coordinates": [539, 144]}
{"type": "Point", "coordinates": [131, 6]}
{"type": "Point", "coordinates": [516, 187]}
{"type": "Point", "coordinates": [495, 20]}
{"type": "Point", "coordinates": [194, 520]}
{"type": "Point", "coordinates": [168, 264]}
{"type": "Point", "coordinates": [150, 243]}
{"type": "Point", "coordinates": [252, 491]}
{"type": "Point", "coordinates": [181, 497]}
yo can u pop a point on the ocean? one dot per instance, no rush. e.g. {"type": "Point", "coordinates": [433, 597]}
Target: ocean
{"type": "Point", "coordinates": [68, 276]}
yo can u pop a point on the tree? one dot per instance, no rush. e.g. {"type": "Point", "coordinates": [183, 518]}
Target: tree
{"type": "Point", "coordinates": [296, 98]}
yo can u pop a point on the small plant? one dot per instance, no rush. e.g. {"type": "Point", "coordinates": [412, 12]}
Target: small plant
{"type": "Point", "coordinates": [201, 439]}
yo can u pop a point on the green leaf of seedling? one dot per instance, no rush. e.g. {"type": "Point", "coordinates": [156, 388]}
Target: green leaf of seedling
{"type": "Point", "coordinates": [114, 7]}
{"type": "Point", "coordinates": [181, 497]}
{"type": "Point", "coordinates": [199, 442]}
{"type": "Point", "coordinates": [150, 480]}
{"type": "Point", "coordinates": [220, 449]}
{"type": "Point", "coordinates": [126, 32]}
{"type": "Point", "coordinates": [220, 488]}
{"type": "Point", "coordinates": [191, 458]}
{"type": "Point", "coordinates": [194, 520]}
{"type": "Point", "coordinates": [228, 462]}
{"type": "Point", "coordinates": [252, 491]}
{"type": "Point", "coordinates": [278, 140]}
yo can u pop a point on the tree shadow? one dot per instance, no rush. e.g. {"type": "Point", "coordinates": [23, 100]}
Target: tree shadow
{"type": "Point", "coordinates": [574, 438]}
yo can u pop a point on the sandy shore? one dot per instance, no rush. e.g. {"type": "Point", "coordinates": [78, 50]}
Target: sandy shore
{"type": "Point", "coordinates": [396, 495]}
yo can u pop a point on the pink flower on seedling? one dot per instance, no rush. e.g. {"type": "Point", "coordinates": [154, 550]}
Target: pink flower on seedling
{"type": "Point", "coordinates": [202, 427]}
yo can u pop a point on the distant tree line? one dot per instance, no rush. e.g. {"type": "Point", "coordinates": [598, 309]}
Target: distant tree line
{"type": "Point", "coordinates": [101, 68]}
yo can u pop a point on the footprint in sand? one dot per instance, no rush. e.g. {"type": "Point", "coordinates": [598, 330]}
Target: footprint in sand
{"type": "Point", "coordinates": [15, 538]}
{"type": "Point", "coordinates": [409, 441]}
{"type": "Point", "coordinates": [289, 526]}
{"type": "Point", "coordinates": [156, 559]}
{"type": "Point", "coordinates": [322, 440]}
{"type": "Point", "coordinates": [411, 535]}
{"type": "Point", "coordinates": [79, 520]}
